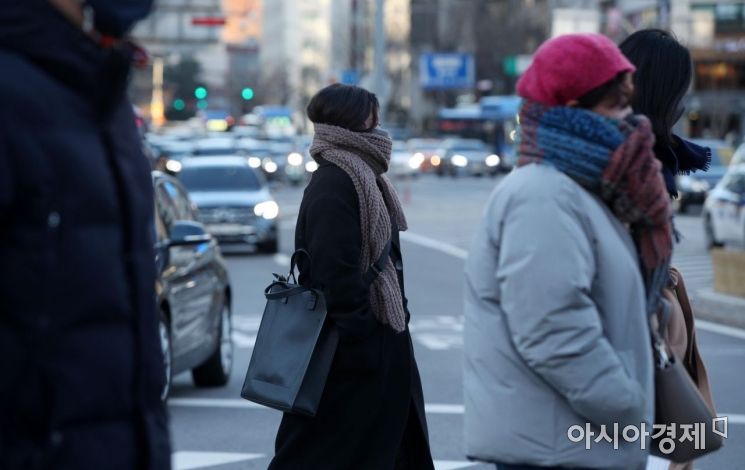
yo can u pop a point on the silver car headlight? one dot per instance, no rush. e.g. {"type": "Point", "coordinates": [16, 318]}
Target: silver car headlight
{"type": "Point", "coordinates": [492, 160]}
{"type": "Point", "coordinates": [270, 166]}
{"type": "Point", "coordinates": [174, 166]}
{"type": "Point", "coordinates": [267, 209]}
{"type": "Point", "coordinates": [459, 161]}
{"type": "Point", "coordinates": [295, 159]}
{"type": "Point", "coordinates": [415, 162]}
{"type": "Point", "coordinates": [254, 162]}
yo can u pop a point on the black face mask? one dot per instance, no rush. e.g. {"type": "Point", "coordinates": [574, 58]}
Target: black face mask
{"type": "Point", "coordinates": [117, 17]}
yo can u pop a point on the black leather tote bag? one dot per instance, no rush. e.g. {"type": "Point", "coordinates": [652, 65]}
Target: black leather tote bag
{"type": "Point", "coordinates": [294, 347]}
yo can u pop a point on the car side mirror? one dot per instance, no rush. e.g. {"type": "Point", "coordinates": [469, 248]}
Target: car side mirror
{"type": "Point", "coordinates": [187, 232]}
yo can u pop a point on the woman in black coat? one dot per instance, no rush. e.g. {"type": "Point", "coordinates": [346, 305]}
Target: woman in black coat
{"type": "Point", "coordinates": [371, 414]}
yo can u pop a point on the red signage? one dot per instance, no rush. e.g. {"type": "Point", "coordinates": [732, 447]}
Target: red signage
{"type": "Point", "coordinates": [208, 21]}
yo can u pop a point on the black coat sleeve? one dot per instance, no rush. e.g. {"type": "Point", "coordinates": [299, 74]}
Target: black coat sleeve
{"type": "Point", "coordinates": [332, 236]}
{"type": "Point", "coordinates": [6, 177]}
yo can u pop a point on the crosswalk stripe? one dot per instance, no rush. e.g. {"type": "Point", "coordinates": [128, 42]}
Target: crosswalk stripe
{"type": "Point", "coordinates": [186, 460]}
{"type": "Point", "coordinates": [214, 403]}
{"type": "Point", "coordinates": [243, 340]}
{"type": "Point", "coordinates": [190, 460]}
{"type": "Point", "coordinates": [431, 408]}
{"type": "Point", "coordinates": [452, 464]}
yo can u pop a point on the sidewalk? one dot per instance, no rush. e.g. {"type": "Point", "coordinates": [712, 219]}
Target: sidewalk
{"type": "Point", "coordinates": [720, 308]}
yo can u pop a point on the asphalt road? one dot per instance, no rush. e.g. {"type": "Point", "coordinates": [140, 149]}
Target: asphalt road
{"type": "Point", "coordinates": [215, 429]}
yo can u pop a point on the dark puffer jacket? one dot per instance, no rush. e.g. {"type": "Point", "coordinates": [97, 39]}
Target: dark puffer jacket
{"type": "Point", "coordinates": [81, 369]}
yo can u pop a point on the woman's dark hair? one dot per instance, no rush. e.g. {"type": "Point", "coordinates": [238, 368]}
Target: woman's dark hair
{"type": "Point", "coordinates": [663, 74]}
{"type": "Point", "coordinates": [617, 91]}
{"type": "Point", "coordinates": [344, 106]}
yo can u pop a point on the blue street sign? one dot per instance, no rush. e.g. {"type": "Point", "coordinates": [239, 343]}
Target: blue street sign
{"type": "Point", "coordinates": [446, 71]}
{"type": "Point", "coordinates": [350, 77]}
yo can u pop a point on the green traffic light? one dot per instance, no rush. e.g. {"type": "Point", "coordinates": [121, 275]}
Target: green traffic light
{"type": "Point", "coordinates": [202, 104]}
{"type": "Point", "coordinates": [247, 94]}
{"type": "Point", "coordinates": [200, 93]}
{"type": "Point", "coordinates": [178, 104]}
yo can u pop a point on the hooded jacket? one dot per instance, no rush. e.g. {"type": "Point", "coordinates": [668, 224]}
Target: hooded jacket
{"type": "Point", "coordinates": [82, 370]}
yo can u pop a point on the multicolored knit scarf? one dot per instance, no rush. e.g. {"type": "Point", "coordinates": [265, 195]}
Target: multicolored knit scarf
{"type": "Point", "coordinates": [614, 160]}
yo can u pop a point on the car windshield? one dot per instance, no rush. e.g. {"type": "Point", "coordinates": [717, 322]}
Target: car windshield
{"type": "Point", "coordinates": [214, 151]}
{"type": "Point", "coordinates": [721, 156]}
{"type": "Point", "coordinates": [219, 178]}
{"type": "Point", "coordinates": [424, 146]}
{"type": "Point", "coordinates": [467, 145]}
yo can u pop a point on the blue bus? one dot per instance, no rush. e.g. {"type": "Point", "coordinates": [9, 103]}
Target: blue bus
{"type": "Point", "coordinates": [493, 120]}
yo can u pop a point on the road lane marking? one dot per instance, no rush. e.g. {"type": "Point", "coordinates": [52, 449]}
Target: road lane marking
{"type": "Point", "coordinates": [188, 460]}
{"type": "Point", "coordinates": [443, 409]}
{"type": "Point", "coordinates": [453, 464]}
{"type": "Point", "coordinates": [214, 403]}
{"type": "Point", "coordinates": [235, 403]}
{"type": "Point", "coordinates": [243, 340]}
{"type": "Point", "coordinates": [439, 341]}
{"type": "Point", "coordinates": [185, 460]}
{"type": "Point", "coordinates": [427, 242]}
{"type": "Point", "coordinates": [733, 419]}
{"type": "Point", "coordinates": [720, 329]}
{"type": "Point", "coordinates": [431, 408]}
{"type": "Point", "coordinates": [282, 259]}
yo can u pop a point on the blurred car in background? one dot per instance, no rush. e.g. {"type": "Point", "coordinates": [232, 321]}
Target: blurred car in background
{"type": "Point", "coordinates": [217, 120]}
{"type": "Point", "coordinates": [724, 210]}
{"type": "Point", "coordinates": [193, 290]}
{"type": "Point", "coordinates": [259, 154]}
{"type": "Point", "coordinates": [404, 163]}
{"type": "Point", "coordinates": [468, 157]}
{"type": "Point", "coordinates": [693, 188]}
{"type": "Point", "coordinates": [428, 150]}
{"type": "Point", "coordinates": [171, 154]}
{"type": "Point", "coordinates": [215, 146]}
{"type": "Point", "coordinates": [233, 201]}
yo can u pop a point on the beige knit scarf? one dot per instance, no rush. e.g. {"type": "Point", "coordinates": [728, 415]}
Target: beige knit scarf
{"type": "Point", "coordinates": [364, 156]}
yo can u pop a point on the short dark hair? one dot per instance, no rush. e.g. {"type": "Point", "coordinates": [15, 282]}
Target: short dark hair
{"type": "Point", "coordinates": [344, 106]}
{"type": "Point", "coordinates": [616, 90]}
{"type": "Point", "coordinates": [663, 75]}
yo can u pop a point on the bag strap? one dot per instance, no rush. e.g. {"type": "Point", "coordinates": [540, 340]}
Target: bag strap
{"type": "Point", "coordinates": [284, 292]}
{"type": "Point", "coordinates": [293, 263]}
{"type": "Point", "coordinates": [378, 266]}
{"type": "Point", "coordinates": [685, 305]}
{"type": "Point", "coordinates": [288, 290]}
{"type": "Point", "coordinates": [657, 332]}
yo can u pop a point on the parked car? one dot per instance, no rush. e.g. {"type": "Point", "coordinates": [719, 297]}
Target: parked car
{"type": "Point", "coordinates": [404, 163]}
{"type": "Point", "coordinates": [724, 210]}
{"type": "Point", "coordinates": [468, 157]}
{"type": "Point", "coordinates": [193, 290]}
{"type": "Point", "coordinates": [233, 201]}
{"type": "Point", "coordinates": [429, 150]}
{"type": "Point", "coordinates": [693, 188]}
{"type": "Point", "coordinates": [739, 156]}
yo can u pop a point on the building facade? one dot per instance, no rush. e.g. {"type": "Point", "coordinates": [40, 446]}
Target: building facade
{"type": "Point", "coordinates": [295, 50]}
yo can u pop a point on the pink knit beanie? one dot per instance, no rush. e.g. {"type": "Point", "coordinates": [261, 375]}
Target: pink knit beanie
{"type": "Point", "coordinates": [567, 67]}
